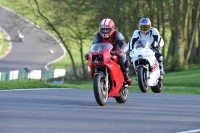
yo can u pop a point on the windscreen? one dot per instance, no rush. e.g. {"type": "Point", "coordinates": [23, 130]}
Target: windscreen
{"type": "Point", "coordinates": [142, 43]}
{"type": "Point", "coordinates": [98, 47]}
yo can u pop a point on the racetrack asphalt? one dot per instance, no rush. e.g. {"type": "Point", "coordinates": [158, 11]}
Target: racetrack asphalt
{"type": "Point", "coordinates": [33, 51]}
{"type": "Point", "coordinates": [76, 111]}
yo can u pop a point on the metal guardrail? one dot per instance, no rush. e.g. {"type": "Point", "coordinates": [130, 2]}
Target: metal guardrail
{"type": "Point", "coordinates": [34, 74]}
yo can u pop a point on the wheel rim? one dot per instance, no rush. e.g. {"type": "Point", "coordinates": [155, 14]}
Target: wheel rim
{"type": "Point", "coordinates": [104, 92]}
{"type": "Point", "coordinates": [124, 93]}
{"type": "Point", "coordinates": [144, 78]}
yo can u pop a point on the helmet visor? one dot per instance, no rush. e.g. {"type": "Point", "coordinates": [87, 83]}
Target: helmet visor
{"type": "Point", "coordinates": [144, 27]}
{"type": "Point", "coordinates": [105, 30]}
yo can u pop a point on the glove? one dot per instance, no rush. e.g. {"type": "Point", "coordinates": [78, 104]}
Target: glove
{"type": "Point", "coordinates": [120, 52]}
{"type": "Point", "coordinates": [86, 57]}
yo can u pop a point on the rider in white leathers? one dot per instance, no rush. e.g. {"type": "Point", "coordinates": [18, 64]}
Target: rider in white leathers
{"type": "Point", "coordinates": [146, 32]}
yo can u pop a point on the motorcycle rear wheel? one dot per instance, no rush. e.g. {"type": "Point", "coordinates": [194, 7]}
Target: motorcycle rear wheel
{"type": "Point", "coordinates": [100, 92]}
{"type": "Point", "coordinates": [141, 77]}
{"type": "Point", "coordinates": [123, 96]}
{"type": "Point", "coordinates": [158, 87]}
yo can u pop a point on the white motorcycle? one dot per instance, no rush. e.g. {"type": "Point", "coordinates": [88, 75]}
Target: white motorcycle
{"type": "Point", "coordinates": [146, 67]}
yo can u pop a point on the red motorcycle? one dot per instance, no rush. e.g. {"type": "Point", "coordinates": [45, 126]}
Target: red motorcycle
{"type": "Point", "coordinates": [108, 80]}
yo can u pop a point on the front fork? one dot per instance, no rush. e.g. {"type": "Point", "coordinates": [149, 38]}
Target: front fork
{"type": "Point", "coordinates": [147, 75]}
{"type": "Point", "coordinates": [106, 77]}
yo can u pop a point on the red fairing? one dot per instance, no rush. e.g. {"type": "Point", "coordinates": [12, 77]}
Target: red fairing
{"type": "Point", "coordinates": [115, 73]}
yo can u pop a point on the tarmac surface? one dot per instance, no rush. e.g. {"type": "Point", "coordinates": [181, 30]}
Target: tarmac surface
{"type": "Point", "coordinates": [76, 111]}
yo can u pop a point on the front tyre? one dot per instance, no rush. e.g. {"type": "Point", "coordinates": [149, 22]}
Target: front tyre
{"type": "Point", "coordinates": [123, 96]}
{"type": "Point", "coordinates": [100, 92]}
{"type": "Point", "coordinates": [142, 80]}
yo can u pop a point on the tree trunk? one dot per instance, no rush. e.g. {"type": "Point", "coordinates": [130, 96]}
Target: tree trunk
{"type": "Point", "coordinates": [193, 31]}
{"type": "Point", "coordinates": [183, 7]}
{"type": "Point", "coordinates": [47, 21]}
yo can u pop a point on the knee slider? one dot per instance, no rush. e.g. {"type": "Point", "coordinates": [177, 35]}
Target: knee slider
{"type": "Point", "coordinates": [160, 59]}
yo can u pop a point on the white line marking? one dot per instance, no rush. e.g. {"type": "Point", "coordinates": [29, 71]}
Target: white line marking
{"type": "Point", "coordinates": [190, 131]}
{"type": "Point", "coordinates": [34, 89]}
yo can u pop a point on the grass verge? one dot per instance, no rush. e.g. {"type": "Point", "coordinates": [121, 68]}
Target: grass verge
{"type": "Point", "coordinates": [3, 43]}
{"type": "Point", "coordinates": [186, 82]}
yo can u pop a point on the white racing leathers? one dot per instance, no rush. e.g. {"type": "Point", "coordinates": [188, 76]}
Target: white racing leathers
{"type": "Point", "coordinates": [153, 36]}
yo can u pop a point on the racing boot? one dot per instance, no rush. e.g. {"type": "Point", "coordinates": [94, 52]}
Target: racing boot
{"type": "Point", "coordinates": [125, 71]}
{"type": "Point", "coordinates": [127, 79]}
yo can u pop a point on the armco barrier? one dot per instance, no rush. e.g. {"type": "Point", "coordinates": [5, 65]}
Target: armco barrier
{"type": "Point", "coordinates": [32, 74]}
{"type": "Point", "coordinates": [4, 76]}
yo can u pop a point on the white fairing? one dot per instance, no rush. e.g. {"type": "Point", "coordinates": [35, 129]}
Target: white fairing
{"type": "Point", "coordinates": [142, 51]}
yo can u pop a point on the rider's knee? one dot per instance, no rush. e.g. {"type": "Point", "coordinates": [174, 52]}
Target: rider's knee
{"type": "Point", "coordinates": [126, 64]}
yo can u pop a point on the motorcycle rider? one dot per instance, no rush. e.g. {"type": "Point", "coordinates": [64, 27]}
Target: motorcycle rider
{"type": "Point", "coordinates": [146, 32]}
{"type": "Point", "coordinates": [20, 36]}
{"type": "Point", "coordinates": [108, 34]}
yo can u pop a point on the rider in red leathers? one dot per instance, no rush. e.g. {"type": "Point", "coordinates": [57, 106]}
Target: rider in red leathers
{"type": "Point", "coordinates": [109, 34]}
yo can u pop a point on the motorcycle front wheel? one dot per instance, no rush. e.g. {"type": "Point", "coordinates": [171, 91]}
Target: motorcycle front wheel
{"type": "Point", "coordinates": [100, 92]}
{"type": "Point", "coordinates": [142, 80]}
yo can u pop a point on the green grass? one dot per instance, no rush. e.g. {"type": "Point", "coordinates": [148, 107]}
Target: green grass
{"type": "Point", "coordinates": [186, 82]}
{"type": "Point", "coordinates": [182, 82]}
{"type": "Point", "coordinates": [3, 44]}
{"type": "Point", "coordinates": [26, 84]}
{"type": "Point", "coordinates": [185, 78]}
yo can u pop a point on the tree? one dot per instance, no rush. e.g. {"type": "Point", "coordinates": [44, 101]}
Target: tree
{"type": "Point", "coordinates": [76, 21]}
{"type": "Point", "coordinates": [192, 32]}
{"type": "Point", "coordinates": [59, 35]}
{"type": "Point", "coordinates": [67, 22]}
